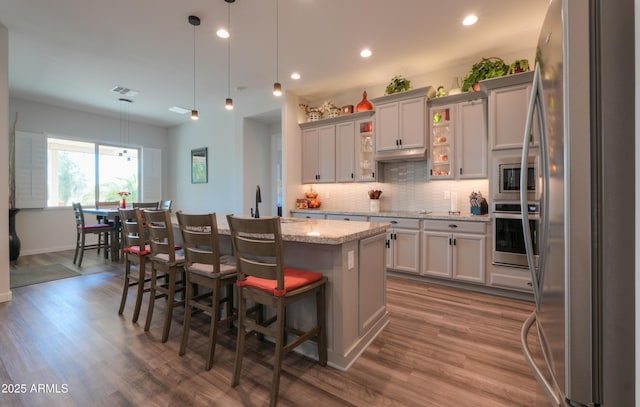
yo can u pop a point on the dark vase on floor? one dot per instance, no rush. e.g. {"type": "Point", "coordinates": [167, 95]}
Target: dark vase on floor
{"type": "Point", "coordinates": [14, 240]}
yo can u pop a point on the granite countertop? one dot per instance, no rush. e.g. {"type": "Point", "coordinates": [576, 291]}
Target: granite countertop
{"type": "Point", "coordinates": [467, 217]}
{"type": "Point", "coordinates": [317, 231]}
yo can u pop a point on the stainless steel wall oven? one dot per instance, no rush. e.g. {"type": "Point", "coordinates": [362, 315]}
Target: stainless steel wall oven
{"type": "Point", "coordinates": [508, 236]}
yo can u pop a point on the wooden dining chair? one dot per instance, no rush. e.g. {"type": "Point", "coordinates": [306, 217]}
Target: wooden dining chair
{"type": "Point", "coordinates": [145, 205]}
{"type": "Point", "coordinates": [165, 205]}
{"type": "Point", "coordinates": [96, 229]}
{"type": "Point", "coordinates": [203, 268]}
{"type": "Point", "coordinates": [263, 279]}
{"type": "Point", "coordinates": [136, 251]}
{"type": "Point", "coordinates": [167, 266]}
{"type": "Point", "coordinates": [103, 219]}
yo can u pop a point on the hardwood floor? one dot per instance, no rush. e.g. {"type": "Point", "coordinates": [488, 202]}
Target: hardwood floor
{"type": "Point", "coordinates": [443, 347]}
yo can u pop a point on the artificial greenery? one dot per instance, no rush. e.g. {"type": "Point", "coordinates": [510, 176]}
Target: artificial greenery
{"type": "Point", "coordinates": [486, 68]}
{"type": "Point", "coordinates": [398, 84]}
{"type": "Point", "coordinates": [519, 65]}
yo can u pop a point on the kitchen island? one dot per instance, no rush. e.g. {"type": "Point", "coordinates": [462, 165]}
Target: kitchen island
{"type": "Point", "coordinates": [352, 255]}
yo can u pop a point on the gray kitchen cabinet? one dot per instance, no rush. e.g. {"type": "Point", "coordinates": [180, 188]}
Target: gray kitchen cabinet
{"type": "Point", "coordinates": [403, 243]}
{"type": "Point", "coordinates": [309, 215]}
{"type": "Point", "coordinates": [454, 250]}
{"type": "Point", "coordinates": [354, 151]}
{"type": "Point", "coordinates": [507, 110]}
{"type": "Point", "coordinates": [319, 154]}
{"type": "Point", "coordinates": [458, 134]}
{"type": "Point", "coordinates": [346, 152]}
{"type": "Point", "coordinates": [355, 218]}
{"type": "Point", "coordinates": [400, 124]}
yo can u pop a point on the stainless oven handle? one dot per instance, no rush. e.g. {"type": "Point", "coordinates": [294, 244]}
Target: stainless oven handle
{"type": "Point", "coordinates": [514, 216]}
{"type": "Point", "coordinates": [528, 244]}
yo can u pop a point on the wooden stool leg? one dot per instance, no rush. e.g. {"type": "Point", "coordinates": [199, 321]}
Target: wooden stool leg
{"type": "Point", "coordinates": [170, 303]}
{"type": "Point", "coordinates": [280, 344]}
{"type": "Point", "coordinates": [152, 297]}
{"type": "Point", "coordinates": [213, 329]}
{"type": "Point", "coordinates": [321, 317]}
{"type": "Point", "coordinates": [187, 317]}
{"type": "Point", "coordinates": [142, 272]}
{"type": "Point", "coordinates": [125, 289]}
{"type": "Point", "coordinates": [82, 239]}
{"type": "Point", "coordinates": [242, 315]}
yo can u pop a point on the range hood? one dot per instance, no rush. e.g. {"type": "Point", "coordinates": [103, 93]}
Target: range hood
{"type": "Point", "coordinates": [414, 154]}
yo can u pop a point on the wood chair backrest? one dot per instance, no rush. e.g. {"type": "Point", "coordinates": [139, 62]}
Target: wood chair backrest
{"type": "Point", "coordinates": [257, 244]}
{"type": "Point", "coordinates": [161, 237]}
{"type": "Point", "coordinates": [145, 205]}
{"type": "Point", "coordinates": [166, 205]}
{"type": "Point", "coordinates": [77, 211]}
{"type": "Point", "coordinates": [107, 204]}
{"type": "Point", "coordinates": [200, 239]}
{"type": "Point", "coordinates": [134, 230]}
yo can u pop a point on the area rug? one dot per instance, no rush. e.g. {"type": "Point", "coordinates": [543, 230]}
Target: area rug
{"type": "Point", "coordinates": [39, 274]}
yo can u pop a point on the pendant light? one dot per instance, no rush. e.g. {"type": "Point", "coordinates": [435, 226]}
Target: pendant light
{"type": "Point", "coordinates": [194, 21]}
{"type": "Point", "coordinates": [277, 87]}
{"type": "Point", "coordinates": [124, 127]}
{"type": "Point", "coordinates": [228, 104]}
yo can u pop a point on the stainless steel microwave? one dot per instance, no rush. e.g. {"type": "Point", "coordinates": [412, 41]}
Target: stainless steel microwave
{"type": "Point", "coordinates": [507, 179]}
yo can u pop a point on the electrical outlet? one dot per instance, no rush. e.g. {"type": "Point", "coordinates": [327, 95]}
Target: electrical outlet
{"type": "Point", "coordinates": [350, 260]}
{"type": "Point", "coordinates": [447, 194]}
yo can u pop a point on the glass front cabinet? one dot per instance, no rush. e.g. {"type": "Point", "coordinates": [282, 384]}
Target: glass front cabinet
{"type": "Point", "coordinates": [442, 138]}
{"type": "Point", "coordinates": [365, 146]}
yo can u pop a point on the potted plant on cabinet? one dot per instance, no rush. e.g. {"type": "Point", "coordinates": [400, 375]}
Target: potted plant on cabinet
{"type": "Point", "coordinates": [486, 68]}
{"type": "Point", "coordinates": [398, 84]}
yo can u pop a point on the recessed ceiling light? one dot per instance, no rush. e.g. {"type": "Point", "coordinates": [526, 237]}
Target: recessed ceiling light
{"type": "Point", "coordinates": [295, 76]}
{"type": "Point", "coordinates": [365, 53]}
{"type": "Point", "coordinates": [222, 33]}
{"type": "Point", "coordinates": [470, 20]}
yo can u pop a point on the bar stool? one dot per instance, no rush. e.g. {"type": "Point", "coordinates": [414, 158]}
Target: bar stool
{"type": "Point", "coordinates": [263, 279]}
{"type": "Point", "coordinates": [167, 264]}
{"type": "Point", "coordinates": [136, 251]}
{"type": "Point", "coordinates": [203, 268]}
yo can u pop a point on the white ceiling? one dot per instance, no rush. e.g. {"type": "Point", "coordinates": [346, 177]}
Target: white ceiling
{"type": "Point", "coordinates": [71, 53]}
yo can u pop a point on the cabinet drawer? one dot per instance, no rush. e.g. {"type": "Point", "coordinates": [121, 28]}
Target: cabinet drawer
{"type": "Point", "coordinates": [455, 226]}
{"type": "Point", "coordinates": [308, 215]}
{"type": "Point", "coordinates": [518, 282]}
{"type": "Point", "coordinates": [402, 223]}
{"type": "Point", "coordinates": [355, 218]}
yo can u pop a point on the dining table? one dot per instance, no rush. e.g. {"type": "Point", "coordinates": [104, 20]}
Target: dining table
{"type": "Point", "coordinates": [112, 214]}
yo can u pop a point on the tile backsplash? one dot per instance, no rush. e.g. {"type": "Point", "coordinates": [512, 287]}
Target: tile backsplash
{"type": "Point", "coordinates": [406, 187]}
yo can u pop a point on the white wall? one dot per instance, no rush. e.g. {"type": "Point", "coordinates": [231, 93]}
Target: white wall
{"type": "Point", "coordinates": [5, 292]}
{"type": "Point", "coordinates": [35, 117]}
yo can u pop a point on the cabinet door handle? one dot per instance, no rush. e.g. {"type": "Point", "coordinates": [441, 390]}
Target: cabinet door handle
{"type": "Point", "coordinates": [400, 141]}
{"type": "Point", "coordinates": [454, 242]}
{"type": "Point", "coordinates": [449, 241]}
{"type": "Point", "coordinates": [393, 222]}
{"type": "Point", "coordinates": [460, 172]}
{"type": "Point", "coordinates": [453, 225]}
{"type": "Point", "coordinates": [346, 219]}
{"type": "Point", "coordinates": [373, 174]}
{"type": "Point", "coordinates": [387, 243]}
{"type": "Point", "coordinates": [430, 172]}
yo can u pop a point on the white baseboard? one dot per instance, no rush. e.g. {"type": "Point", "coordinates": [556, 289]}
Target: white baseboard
{"type": "Point", "coordinates": [46, 250]}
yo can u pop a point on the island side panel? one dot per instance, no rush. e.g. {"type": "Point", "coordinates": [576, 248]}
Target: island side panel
{"type": "Point", "coordinates": [372, 282]}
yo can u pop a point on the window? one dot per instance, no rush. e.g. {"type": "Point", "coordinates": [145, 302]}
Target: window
{"type": "Point", "coordinates": [88, 172]}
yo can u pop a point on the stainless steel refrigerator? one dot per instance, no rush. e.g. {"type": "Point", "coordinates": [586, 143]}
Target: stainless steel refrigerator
{"type": "Point", "coordinates": [582, 111]}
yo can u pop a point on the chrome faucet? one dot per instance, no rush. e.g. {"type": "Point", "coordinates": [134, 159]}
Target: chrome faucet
{"type": "Point", "coordinates": [256, 214]}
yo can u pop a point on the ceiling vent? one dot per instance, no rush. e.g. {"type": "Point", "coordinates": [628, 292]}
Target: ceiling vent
{"type": "Point", "coordinates": [121, 90]}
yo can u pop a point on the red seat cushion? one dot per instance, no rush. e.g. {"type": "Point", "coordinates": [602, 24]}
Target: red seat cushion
{"type": "Point", "coordinates": [136, 250]}
{"type": "Point", "coordinates": [293, 278]}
